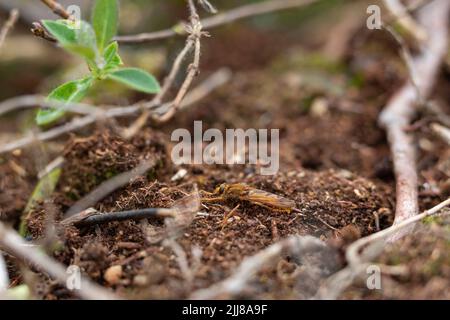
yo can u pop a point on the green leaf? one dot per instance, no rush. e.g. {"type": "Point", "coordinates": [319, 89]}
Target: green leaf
{"type": "Point", "coordinates": [111, 56]}
{"type": "Point", "coordinates": [72, 91]}
{"type": "Point", "coordinates": [61, 31]}
{"type": "Point", "coordinates": [86, 41]}
{"type": "Point", "coordinates": [105, 18]}
{"type": "Point", "coordinates": [42, 191]}
{"type": "Point", "coordinates": [136, 78]}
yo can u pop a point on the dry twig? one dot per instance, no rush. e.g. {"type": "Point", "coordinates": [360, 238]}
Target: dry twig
{"type": "Point", "coordinates": [220, 19]}
{"type": "Point", "coordinates": [91, 217]}
{"type": "Point", "coordinates": [108, 187]}
{"type": "Point", "coordinates": [402, 107]}
{"type": "Point", "coordinates": [57, 8]}
{"type": "Point", "coordinates": [9, 24]}
{"type": "Point", "coordinates": [13, 243]}
{"type": "Point", "coordinates": [352, 254]}
{"type": "Point", "coordinates": [4, 278]}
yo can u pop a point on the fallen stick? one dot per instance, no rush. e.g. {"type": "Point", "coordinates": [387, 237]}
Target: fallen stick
{"type": "Point", "coordinates": [400, 110]}
{"type": "Point", "coordinates": [248, 269]}
{"type": "Point", "coordinates": [14, 244]}
{"type": "Point", "coordinates": [9, 24]}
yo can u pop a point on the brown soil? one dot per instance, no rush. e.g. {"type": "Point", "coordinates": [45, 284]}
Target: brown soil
{"type": "Point", "coordinates": [334, 163]}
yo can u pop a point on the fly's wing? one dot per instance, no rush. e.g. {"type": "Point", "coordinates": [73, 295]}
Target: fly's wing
{"type": "Point", "coordinates": [269, 199]}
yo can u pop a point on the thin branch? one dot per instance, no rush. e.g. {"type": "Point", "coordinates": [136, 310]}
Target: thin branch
{"type": "Point", "coordinates": [250, 266]}
{"type": "Point", "coordinates": [180, 209]}
{"type": "Point", "coordinates": [39, 31]}
{"type": "Point", "coordinates": [400, 12]}
{"type": "Point", "coordinates": [358, 263]}
{"type": "Point", "coordinates": [195, 31]}
{"type": "Point", "coordinates": [352, 253]}
{"type": "Point", "coordinates": [9, 24]}
{"type": "Point", "coordinates": [37, 101]}
{"type": "Point", "coordinates": [220, 19]}
{"type": "Point", "coordinates": [91, 217]}
{"type": "Point", "coordinates": [57, 8]}
{"type": "Point", "coordinates": [181, 258]}
{"type": "Point", "coordinates": [402, 107]}
{"type": "Point", "coordinates": [14, 244]}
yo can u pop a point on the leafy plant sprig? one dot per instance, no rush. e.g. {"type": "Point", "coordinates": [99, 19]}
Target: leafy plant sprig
{"type": "Point", "coordinates": [93, 42]}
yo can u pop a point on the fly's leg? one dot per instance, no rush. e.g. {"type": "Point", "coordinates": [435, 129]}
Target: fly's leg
{"type": "Point", "coordinates": [212, 199]}
{"type": "Point", "coordinates": [228, 216]}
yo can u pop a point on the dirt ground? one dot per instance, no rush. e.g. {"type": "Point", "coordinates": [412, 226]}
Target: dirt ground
{"type": "Point", "coordinates": [334, 164]}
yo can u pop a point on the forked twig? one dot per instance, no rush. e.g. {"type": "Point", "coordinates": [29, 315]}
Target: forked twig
{"type": "Point", "coordinates": [354, 258]}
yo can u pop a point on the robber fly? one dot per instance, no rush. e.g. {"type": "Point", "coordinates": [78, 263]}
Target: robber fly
{"type": "Point", "coordinates": [241, 191]}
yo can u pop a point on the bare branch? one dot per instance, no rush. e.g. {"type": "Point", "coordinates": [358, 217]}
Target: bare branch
{"type": "Point", "coordinates": [402, 107]}
{"type": "Point", "coordinates": [91, 217]}
{"type": "Point", "coordinates": [57, 8]}
{"type": "Point", "coordinates": [9, 24]}
{"type": "Point", "coordinates": [113, 112]}
{"type": "Point", "coordinates": [400, 12]}
{"type": "Point", "coordinates": [182, 260]}
{"type": "Point", "coordinates": [358, 263]}
{"type": "Point", "coordinates": [13, 243]}
{"type": "Point", "coordinates": [220, 19]}
{"type": "Point", "coordinates": [195, 31]}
